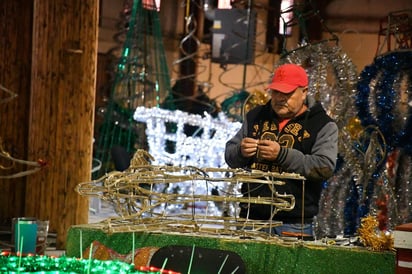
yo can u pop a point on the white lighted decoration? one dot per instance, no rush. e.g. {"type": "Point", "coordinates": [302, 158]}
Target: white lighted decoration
{"type": "Point", "coordinates": [286, 17]}
{"type": "Point", "coordinates": [224, 4]}
{"type": "Point", "coordinates": [170, 145]}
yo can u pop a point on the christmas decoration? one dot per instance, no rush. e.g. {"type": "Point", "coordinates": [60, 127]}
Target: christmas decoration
{"type": "Point", "coordinates": [383, 104]}
{"type": "Point", "coordinates": [9, 159]}
{"type": "Point", "coordinates": [383, 97]}
{"type": "Point", "coordinates": [140, 257]}
{"type": "Point", "coordinates": [372, 237]}
{"type": "Point", "coordinates": [12, 161]}
{"type": "Point", "coordinates": [204, 148]}
{"type": "Point", "coordinates": [179, 198]}
{"type": "Point", "coordinates": [141, 78]}
{"type": "Point", "coordinates": [45, 264]}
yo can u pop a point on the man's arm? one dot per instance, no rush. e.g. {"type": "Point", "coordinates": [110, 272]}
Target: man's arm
{"type": "Point", "coordinates": [320, 164]}
{"type": "Point", "coordinates": [233, 154]}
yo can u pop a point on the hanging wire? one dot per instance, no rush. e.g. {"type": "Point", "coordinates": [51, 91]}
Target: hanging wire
{"type": "Point", "coordinates": [36, 165]}
{"type": "Point", "coordinates": [11, 94]}
{"type": "Point", "coordinates": [240, 93]}
{"type": "Point", "coordinates": [190, 36]}
{"type": "Point", "coordinates": [260, 70]}
{"type": "Point", "coordinates": [190, 28]}
{"type": "Point", "coordinates": [141, 78]}
{"type": "Point", "coordinates": [8, 157]}
{"type": "Point", "coordinates": [397, 25]}
{"type": "Point", "coordinates": [301, 14]}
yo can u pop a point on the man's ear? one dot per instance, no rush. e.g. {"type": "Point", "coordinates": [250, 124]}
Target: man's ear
{"type": "Point", "coordinates": [305, 93]}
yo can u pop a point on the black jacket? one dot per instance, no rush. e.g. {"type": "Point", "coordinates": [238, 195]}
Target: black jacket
{"type": "Point", "coordinates": [309, 145]}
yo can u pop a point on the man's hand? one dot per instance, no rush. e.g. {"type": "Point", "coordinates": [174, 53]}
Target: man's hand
{"type": "Point", "coordinates": [268, 149]}
{"type": "Point", "coordinates": [248, 147]}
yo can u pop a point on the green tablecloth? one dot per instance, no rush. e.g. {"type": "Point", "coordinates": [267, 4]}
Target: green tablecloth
{"type": "Point", "coordinates": [259, 256]}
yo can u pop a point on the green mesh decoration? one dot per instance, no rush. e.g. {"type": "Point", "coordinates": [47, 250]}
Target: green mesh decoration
{"type": "Point", "coordinates": [141, 78]}
{"type": "Point", "coordinates": [233, 105]}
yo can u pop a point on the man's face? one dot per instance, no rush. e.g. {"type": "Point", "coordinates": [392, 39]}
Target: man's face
{"type": "Point", "coordinates": [289, 105]}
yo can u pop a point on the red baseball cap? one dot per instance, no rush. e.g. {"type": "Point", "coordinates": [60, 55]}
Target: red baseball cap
{"type": "Point", "coordinates": [288, 77]}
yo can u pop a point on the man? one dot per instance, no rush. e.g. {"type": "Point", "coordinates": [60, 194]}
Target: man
{"type": "Point", "coordinates": [291, 133]}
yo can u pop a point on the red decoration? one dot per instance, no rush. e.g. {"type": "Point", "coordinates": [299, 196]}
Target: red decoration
{"type": "Point", "coordinates": [382, 217]}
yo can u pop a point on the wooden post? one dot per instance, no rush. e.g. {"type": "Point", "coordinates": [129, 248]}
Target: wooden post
{"type": "Point", "coordinates": [62, 102]}
{"type": "Point", "coordinates": [15, 69]}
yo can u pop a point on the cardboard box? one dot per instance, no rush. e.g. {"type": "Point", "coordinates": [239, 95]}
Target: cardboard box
{"type": "Point", "coordinates": [403, 246]}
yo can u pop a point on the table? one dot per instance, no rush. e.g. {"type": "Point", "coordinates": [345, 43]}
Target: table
{"type": "Point", "coordinates": [259, 256]}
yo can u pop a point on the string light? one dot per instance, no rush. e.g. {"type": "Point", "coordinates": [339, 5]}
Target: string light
{"type": "Point", "coordinates": [39, 264]}
{"type": "Point", "coordinates": [204, 148]}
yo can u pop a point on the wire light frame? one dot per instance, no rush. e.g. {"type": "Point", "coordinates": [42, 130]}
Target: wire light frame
{"type": "Point", "coordinates": [146, 195]}
{"type": "Point", "coordinates": [395, 32]}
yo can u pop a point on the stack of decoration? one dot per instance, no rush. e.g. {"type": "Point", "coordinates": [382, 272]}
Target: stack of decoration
{"type": "Point", "coordinates": [374, 118]}
{"type": "Point", "coordinates": [381, 183]}
{"type": "Point", "coordinates": [141, 79]}
{"type": "Point", "coordinates": [374, 172]}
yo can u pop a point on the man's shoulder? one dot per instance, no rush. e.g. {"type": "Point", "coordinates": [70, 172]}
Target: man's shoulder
{"type": "Point", "coordinates": [317, 110]}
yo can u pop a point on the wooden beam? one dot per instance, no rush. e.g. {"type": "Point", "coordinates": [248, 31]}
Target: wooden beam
{"type": "Point", "coordinates": [15, 69]}
{"type": "Point", "coordinates": [62, 110]}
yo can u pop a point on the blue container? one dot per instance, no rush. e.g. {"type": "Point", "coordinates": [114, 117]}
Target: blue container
{"type": "Point", "coordinates": [25, 235]}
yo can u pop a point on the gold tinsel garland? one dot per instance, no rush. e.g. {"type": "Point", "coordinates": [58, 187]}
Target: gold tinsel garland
{"type": "Point", "coordinates": [373, 238]}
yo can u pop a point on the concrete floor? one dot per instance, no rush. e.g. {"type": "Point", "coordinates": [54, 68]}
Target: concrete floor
{"type": "Point", "coordinates": [100, 210]}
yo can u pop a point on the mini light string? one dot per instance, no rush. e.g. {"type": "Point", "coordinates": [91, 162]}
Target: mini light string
{"type": "Point", "coordinates": [40, 264]}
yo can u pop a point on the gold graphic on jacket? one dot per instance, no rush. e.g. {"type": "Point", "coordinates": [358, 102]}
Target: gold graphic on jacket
{"type": "Point", "coordinates": [285, 140]}
{"type": "Point", "coordinates": [255, 130]}
{"type": "Point", "coordinates": [305, 136]}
